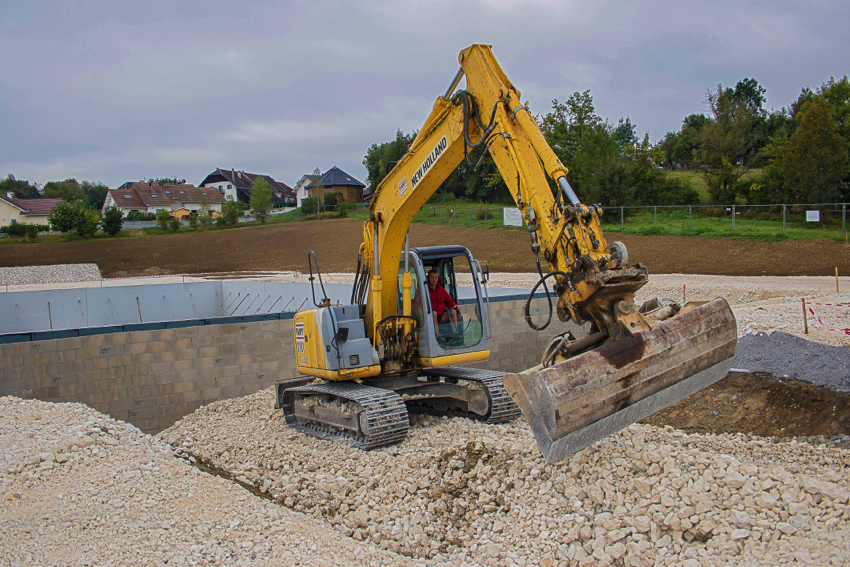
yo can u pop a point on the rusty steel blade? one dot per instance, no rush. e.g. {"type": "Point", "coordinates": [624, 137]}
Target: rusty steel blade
{"type": "Point", "coordinates": [586, 398]}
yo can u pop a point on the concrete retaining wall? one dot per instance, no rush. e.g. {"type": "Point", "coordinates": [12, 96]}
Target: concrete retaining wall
{"type": "Point", "coordinates": [152, 378]}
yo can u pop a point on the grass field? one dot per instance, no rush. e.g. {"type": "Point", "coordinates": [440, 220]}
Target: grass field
{"type": "Point", "coordinates": [750, 222]}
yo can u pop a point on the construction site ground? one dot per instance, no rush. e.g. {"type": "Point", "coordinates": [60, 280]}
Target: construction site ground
{"type": "Point", "coordinates": [753, 470]}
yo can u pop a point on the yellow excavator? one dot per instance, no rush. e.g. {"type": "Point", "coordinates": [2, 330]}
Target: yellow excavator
{"type": "Point", "coordinates": [386, 353]}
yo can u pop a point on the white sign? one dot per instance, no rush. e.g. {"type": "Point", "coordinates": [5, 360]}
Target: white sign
{"type": "Point", "coordinates": [812, 216]}
{"type": "Point", "coordinates": [511, 217]}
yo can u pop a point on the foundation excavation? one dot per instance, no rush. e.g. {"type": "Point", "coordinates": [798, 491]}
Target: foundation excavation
{"type": "Point", "coordinates": [396, 346]}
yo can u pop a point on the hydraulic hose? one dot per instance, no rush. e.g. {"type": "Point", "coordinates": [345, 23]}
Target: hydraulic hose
{"type": "Point", "coordinates": [527, 306]}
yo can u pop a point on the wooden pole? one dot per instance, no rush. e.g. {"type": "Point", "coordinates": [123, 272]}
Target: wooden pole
{"type": "Point", "coordinates": [684, 293]}
{"type": "Point", "coordinates": [805, 318]}
{"type": "Point", "coordinates": [837, 285]}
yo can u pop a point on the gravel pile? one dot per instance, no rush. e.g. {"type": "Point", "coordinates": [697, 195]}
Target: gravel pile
{"type": "Point", "coordinates": [55, 273]}
{"type": "Point", "coordinates": [461, 492]}
{"type": "Point", "coordinates": [79, 488]}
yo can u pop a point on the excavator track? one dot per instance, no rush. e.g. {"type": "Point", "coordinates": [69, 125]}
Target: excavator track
{"type": "Point", "coordinates": [502, 406]}
{"type": "Point", "coordinates": [361, 416]}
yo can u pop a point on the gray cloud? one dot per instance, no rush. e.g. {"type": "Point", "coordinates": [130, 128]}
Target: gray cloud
{"type": "Point", "coordinates": [114, 91]}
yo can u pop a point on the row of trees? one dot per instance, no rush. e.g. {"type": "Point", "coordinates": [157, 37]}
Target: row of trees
{"type": "Point", "coordinates": [90, 192]}
{"type": "Point", "coordinates": [744, 153]}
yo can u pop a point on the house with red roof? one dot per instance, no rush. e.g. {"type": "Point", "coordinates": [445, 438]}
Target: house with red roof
{"type": "Point", "coordinates": [154, 196]}
{"type": "Point", "coordinates": [25, 211]}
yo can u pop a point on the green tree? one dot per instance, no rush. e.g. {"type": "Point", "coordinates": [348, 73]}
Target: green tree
{"type": "Point", "coordinates": [566, 127]}
{"type": "Point", "coordinates": [381, 158]}
{"type": "Point", "coordinates": [86, 221]}
{"type": "Point", "coordinates": [817, 156]}
{"type": "Point", "coordinates": [95, 193]}
{"type": "Point", "coordinates": [112, 221]}
{"type": "Point", "coordinates": [63, 217]}
{"type": "Point", "coordinates": [162, 219]}
{"type": "Point", "coordinates": [230, 213]}
{"type": "Point", "coordinates": [20, 188]}
{"type": "Point", "coordinates": [68, 190]}
{"type": "Point", "coordinates": [261, 198]}
{"type": "Point", "coordinates": [193, 220]}
{"type": "Point", "coordinates": [174, 224]}
{"type": "Point", "coordinates": [32, 232]}
{"type": "Point", "coordinates": [725, 144]}
{"type": "Point", "coordinates": [316, 186]}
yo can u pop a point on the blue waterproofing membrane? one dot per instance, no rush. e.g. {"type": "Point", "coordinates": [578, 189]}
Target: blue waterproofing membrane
{"type": "Point", "coordinates": [63, 313]}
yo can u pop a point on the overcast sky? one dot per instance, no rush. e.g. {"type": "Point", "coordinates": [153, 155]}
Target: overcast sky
{"type": "Point", "coordinates": [120, 90]}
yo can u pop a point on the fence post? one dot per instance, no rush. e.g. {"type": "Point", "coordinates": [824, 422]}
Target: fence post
{"type": "Point", "coordinates": [783, 218]}
{"type": "Point", "coordinates": [690, 220]}
{"type": "Point", "coordinates": [655, 216]}
{"type": "Point", "coordinates": [733, 217]}
{"type": "Point", "coordinates": [470, 216]}
{"type": "Point", "coordinates": [844, 219]}
{"type": "Point", "coordinates": [485, 217]}
{"type": "Point", "coordinates": [622, 219]}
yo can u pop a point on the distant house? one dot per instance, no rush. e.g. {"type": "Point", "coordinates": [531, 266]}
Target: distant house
{"type": "Point", "coordinates": [237, 185]}
{"type": "Point", "coordinates": [25, 211]}
{"type": "Point", "coordinates": [178, 199]}
{"type": "Point", "coordinates": [336, 180]}
{"type": "Point", "coordinates": [301, 188]}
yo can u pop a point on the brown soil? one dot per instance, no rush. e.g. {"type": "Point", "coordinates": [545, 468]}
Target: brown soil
{"type": "Point", "coordinates": [285, 247]}
{"type": "Point", "coordinates": [760, 404]}
{"type": "Point", "coordinates": [757, 404]}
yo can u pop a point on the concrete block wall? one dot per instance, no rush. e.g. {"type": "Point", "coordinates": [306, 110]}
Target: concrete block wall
{"type": "Point", "coordinates": [153, 378]}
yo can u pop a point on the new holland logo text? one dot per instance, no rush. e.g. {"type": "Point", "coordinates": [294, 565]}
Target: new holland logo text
{"type": "Point", "coordinates": [429, 161]}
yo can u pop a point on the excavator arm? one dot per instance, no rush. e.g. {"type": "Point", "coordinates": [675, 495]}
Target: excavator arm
{"type": "Point", "coordinates": [633, 361]}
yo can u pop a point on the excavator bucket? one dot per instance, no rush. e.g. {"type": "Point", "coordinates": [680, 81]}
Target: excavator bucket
{"type": "Point", "coordinates": [586, 398]}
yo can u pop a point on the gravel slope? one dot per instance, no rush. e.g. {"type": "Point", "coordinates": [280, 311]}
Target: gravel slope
{"type": "Point", "coordinates": [79, 488]}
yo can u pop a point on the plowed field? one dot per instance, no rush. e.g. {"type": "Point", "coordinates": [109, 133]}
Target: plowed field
{"type": "Point", "coordinates": [285, 247]}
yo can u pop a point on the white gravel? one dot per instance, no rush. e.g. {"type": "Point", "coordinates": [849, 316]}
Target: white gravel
{"type": "Point", "coordinates": [79, 488]}
{"type": "Point", "coordinates": [54, 273]}
{"type": "Point", "coordinates": [457, 492]}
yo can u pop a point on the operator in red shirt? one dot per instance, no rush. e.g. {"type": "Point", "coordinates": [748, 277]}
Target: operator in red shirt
{"type": "Point", "coordinates": [444, 308]}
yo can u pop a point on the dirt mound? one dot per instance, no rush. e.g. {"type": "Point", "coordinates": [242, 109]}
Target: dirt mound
{"type": "Point", "coordinates": [285, 247]}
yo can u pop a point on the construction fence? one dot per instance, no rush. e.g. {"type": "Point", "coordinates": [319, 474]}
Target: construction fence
{"type": "Point", "coordinates": [828, 220]}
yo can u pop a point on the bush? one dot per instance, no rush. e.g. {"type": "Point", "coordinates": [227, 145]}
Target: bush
{"type": "Point", "coordinates": [112, 221]}
{"type": "Point", "coordinates": [230, 213]}
{"type": "Point", "coordinates": [220, 221]}
{"type": "Point", "coordinates": [32, 232]}
{"type": "Point", "coordinates": [163, 217]}
{"type": "Point", "coordinates": [193, 220]}
{"type": "Point", "coordinates": [174, 224]}
{"type": "Point", "coordinates": [17, 230]}
{"type": "Point", "coordinates": [480, 213]}
{"type": "Point", "coordinates": [309, 206]}
{"type": "Point", "coordinates": [342, 209]}
{"type": "Point", "coordinates": [206, 220]}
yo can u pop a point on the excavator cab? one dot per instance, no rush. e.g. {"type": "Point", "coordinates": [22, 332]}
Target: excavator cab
{"type": "Point", "coordinates": [462, 334]}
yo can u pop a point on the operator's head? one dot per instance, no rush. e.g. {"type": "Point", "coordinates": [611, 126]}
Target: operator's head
{"type": "Point", "coordinates": [433, 279]}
